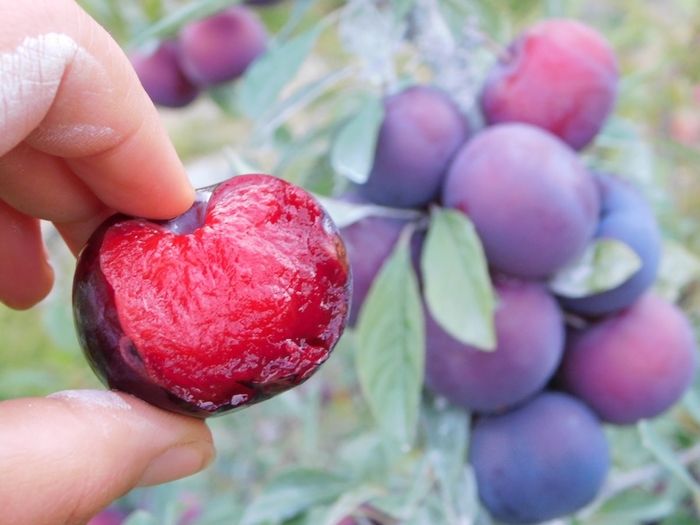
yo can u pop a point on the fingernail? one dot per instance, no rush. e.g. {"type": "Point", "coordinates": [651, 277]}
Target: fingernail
{"type": "Point", "coordinates": [178, 462]}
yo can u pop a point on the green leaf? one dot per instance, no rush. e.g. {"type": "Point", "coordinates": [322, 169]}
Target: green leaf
{"type": "Point", "coordinates": [666, 456]}
{"type": "Point", "coordinates": [346, 213]}
{"type": "Point", "coordinates": [292, 492]}
{"type": "Point", "coordinates": [189, 12]}
{"type": "Point", "coordinates": [305, 95]}
{"type": "Point", "coordinates": [352, 153]}
{"type": "Point", "coordinates": [350, 502]}
{"type": "Point", "coordinates": [606, 264]}
{"type": "Point", "coordinates": [457, 286]}
{"type": "Point", "coordinates": [141, 517]}
{"type": "Point", "coordinates": [447, 437]}
{"type": "Point", "coordinates": [268, 75]}
{"type": "Point", "coordinates": [679, 267]}
{"type": "Point", "coordinates": [391, 346]}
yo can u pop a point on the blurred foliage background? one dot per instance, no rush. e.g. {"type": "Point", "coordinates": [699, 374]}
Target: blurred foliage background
{"type": "Point", "coordinates": [314, 454]}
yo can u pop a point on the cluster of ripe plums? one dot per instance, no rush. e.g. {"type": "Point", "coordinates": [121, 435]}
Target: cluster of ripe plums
{"type": "Point", "coordinates": [541, 398]}
{"type": "Point", "coordinates": [205, 53]}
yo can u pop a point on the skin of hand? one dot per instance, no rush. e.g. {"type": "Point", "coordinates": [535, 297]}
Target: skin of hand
{"type": "Point", "coordinates": [79, 139]}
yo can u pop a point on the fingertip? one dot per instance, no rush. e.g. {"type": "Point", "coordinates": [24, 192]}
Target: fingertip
{"type": "Point", "coordinates": [83, 449]}
{"type": "Point", "coordinates": [26, 277]}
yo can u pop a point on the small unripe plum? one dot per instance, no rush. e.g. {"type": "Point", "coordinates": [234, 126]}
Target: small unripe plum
{"type": "Point", "coordinates": [421, 131]}
{"type": "Point", "coordinates": [560, 75]}
{"type": "Point", "coordinates": [543, 460]}
{"type": "Point", "coordinates": [633, 365]}
{"type": "Point", "coordinates": [160, 75]}
{"type": "Point", "coordinates": [532, 201]}
{"type": "Point", "coordinates": [220, 48]}
{"type": "Point", "coordinates": [240, 298]}
{"type": "Point", "coordinates": [530, 343]}
{"type": "Point", "coordinates": [625, 216]}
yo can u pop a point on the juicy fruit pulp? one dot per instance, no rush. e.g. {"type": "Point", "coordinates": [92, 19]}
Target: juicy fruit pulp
{"type": "Point", "coordinates": [239, 299]}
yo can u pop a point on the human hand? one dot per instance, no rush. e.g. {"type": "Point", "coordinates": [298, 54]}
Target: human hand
{"type": "Point", "coordinates": [79, 139]}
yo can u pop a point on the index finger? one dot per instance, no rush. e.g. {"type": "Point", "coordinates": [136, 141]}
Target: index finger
{"type": "Point", "coordinates": [70, 91]}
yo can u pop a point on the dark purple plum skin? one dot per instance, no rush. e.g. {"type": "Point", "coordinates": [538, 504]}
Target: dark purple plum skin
{"type": "Point", "coordinates": [220, 48]}
{"type": "Point", "coordinates": [560, 75]}
{"type": "Point", "coordinates": [541, 461]}
{"type": "Point", "coordinates": [530, 335]}
{"type": "Point", "coordinates": [632, 365]}
{"type": "Point", "coordinates": [532, 201]}
{"type": "Point", "coordinates": [161, 76]}
{"type": "Point", "coordinates": [421, 131]}
{"type": "Point", "coordinates": [625, 216]}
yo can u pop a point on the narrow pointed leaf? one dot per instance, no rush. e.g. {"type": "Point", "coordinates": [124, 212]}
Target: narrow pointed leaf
{"type": "Point", "coordinates": [176, 19]}
{"type": "Point", "coordinates": [391, 347]}
{"type": "Point", "coordinates": [268, 75]}
{"type": "Point", "coordinates": [292, 492]}
{"type": "Point", "coordinates": [352, 154]}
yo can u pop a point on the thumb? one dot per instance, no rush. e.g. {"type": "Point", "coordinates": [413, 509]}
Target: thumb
{"type": "Point", "coordinates": [66, 457]}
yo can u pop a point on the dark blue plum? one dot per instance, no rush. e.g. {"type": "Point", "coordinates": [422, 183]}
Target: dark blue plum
{"type": "Point", "coordinates": [541, 461]}
{"type": "Point", "coordinates": [530, 334]}
{"type": "Point", "coordinates": [532, 201]}
{"type": "Point", "coordinates": [160, 75]}
{"type": "Point", "coordinates": [421, 131]}
{"type": "Point", "coordinates": [625, 216]}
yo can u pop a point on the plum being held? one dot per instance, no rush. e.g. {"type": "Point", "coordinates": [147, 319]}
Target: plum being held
{"type": "Point", "coordinates": [239, 299]}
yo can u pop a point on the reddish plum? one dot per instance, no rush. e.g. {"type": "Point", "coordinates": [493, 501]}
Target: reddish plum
{"type": "Point", "coordinates": [221, 47]}
{"type": "Point", "coordinates": [560, 75]}
{"type": "Point", "coordinates": [421, 131]}
{"type": "Point", "coordinates": [633, 365]}
{"type": "Point", "coordinates": [160, 75]}
{"type": "Point", "coordinates": [533, 203]}
{"type": "Point", "coordinates": [241, 298]}
{"type": "Point", "coordinates": [530, 335]}
{"type": "Point", "coordinates": [541, 461]}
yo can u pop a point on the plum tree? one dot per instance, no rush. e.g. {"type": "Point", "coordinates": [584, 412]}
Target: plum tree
{"type": "Point", "coordinates": [221, 47]}
{"type": "Point", "coordinates": [421, 131]}
{"type": "Point", "coordinates": [543, 460]}
{"type": "Point", "coordinates": [533, 203]}
{"type": "Point", "coordinates": [530, 335]}
{"type": "Point", "coordinates": [627, 217]}
{"type": "Point", "coordinates": [560, 75]}
{"type": "Point", "coordinates": [160, 74]}
{"type": "Point", "coordinates": [633, 365]}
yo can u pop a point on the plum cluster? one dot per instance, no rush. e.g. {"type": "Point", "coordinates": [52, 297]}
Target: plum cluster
{"type": "Point", "coordinates": [205, 53]}
{"type": "Point", "coordinates": [540, 400]}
